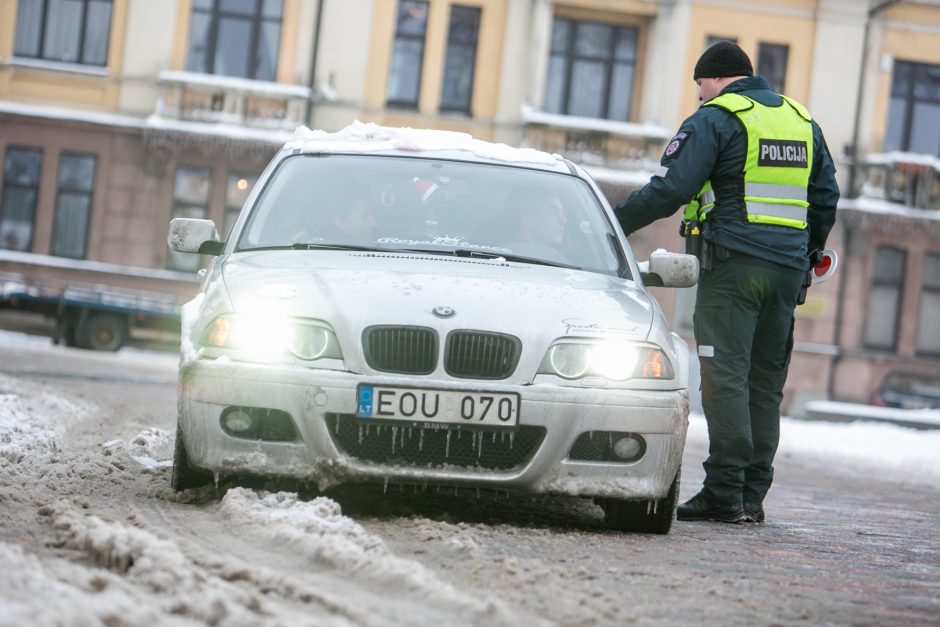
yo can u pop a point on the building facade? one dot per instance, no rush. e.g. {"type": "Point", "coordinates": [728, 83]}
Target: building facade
{"type": "Point", "coordinates": [117, 115]}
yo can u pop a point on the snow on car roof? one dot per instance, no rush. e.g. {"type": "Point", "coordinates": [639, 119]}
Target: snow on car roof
{"type": "Point", "coordinates": [371, 137]}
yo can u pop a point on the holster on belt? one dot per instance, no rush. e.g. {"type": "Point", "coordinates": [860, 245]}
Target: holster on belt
{"type": "Point", "coordinates": [691, 230]}
{"type": "Point", "coordinates": [807, 281]}
{"type": "Point", "coordinates": [708, 254]}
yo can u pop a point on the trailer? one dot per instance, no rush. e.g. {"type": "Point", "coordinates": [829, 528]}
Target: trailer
{"type": "Point", "coordinates": [94, 305]}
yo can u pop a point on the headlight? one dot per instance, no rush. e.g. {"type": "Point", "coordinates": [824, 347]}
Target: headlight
{"type": "Point", "coordinates": [617, 361]}
{"type": "Point", "coordinates": [264, 338]}
{"type": "Point", "coordinates": [570, 361]}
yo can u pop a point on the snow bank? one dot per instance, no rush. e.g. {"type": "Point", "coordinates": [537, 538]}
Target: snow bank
{"type": "Point", "coordinates": [867, 449]}
{"type": "Point", "coordinates": [30, 594]}
{"type": "Point", "coordinates": [318, 530]}
{"type": "Point", "coordinates": [151, 448]}
{"type": "Point", "coordinates": [861, 449]}
{"type": "Point", "coordinates": [32, 422]}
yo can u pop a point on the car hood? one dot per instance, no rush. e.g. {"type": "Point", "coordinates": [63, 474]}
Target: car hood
{"type": "Point", "coordinates": [353, 290]}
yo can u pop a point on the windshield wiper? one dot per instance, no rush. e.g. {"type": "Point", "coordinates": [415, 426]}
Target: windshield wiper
{"type": "Point", "coordinates": [483, 254]}
{"type": "Point", "coordinates": [356, 247]}
{"type": "Point", "coordinates": [317, 246]}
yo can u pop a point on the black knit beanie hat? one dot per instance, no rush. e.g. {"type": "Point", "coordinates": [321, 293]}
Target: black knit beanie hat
{"type": "Point", "coordinates": [723, 59]}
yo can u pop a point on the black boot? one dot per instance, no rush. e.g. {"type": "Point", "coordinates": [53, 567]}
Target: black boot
{"type": "Point", "coordinates": [754, 512]}
{"type": "Point", "coordinates": [701, 507]}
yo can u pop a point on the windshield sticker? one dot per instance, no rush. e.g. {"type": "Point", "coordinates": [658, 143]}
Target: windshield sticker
{"type": "Point", "coordinates": [440, 240]}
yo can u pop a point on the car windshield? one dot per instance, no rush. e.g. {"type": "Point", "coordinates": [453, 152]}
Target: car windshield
{"type": "Point", "coordinates": [436, 207]}
{"type": "Point", "coordinates": [915, 385]}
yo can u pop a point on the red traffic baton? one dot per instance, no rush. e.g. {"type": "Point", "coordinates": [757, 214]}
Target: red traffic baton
{"type": "Point", "coordinates": [826, 266]}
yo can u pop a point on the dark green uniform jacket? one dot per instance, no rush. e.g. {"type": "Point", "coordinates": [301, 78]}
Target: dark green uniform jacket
{"type": "Point", "coordinates": [712, 144]}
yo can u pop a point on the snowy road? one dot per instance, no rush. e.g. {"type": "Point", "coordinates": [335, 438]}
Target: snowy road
{"type": "Point", "coordinates": [90, 532]}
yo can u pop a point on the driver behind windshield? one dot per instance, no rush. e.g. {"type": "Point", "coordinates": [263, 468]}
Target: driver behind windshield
{"type": "Point", "coordinates": [352, 221]}
{"type": "Point", "coordinates": [539, 222]}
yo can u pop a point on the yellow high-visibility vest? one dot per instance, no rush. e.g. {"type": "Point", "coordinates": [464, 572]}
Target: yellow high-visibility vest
{"type": "Point", "coordinates": [778, 164]}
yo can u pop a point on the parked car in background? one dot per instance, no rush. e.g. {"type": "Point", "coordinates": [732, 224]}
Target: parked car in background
{"type": "Point", "coordinates": [907, 390]}
{"type": "Point", "coordinates": [424, 308]}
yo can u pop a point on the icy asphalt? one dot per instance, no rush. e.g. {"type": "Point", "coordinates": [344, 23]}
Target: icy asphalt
{"type": "Point", "coordinates": [91, 534]}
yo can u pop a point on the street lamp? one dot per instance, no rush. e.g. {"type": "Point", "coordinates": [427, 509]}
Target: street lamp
{"type": "Point", "coordinates": [872, 13]}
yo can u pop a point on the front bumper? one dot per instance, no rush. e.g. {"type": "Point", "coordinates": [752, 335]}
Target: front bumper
{"type": "Point", "coordinates": [319, 400]}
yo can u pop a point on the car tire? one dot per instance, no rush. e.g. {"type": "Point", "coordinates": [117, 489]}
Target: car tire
{"type": "Point", "coordinates": [102, 332]}
{"type": "Point", "coordinates": [185, 477]}
{"type": "Point", "coordinates": [644, 516]}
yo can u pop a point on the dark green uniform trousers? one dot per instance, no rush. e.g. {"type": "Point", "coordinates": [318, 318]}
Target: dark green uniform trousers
{"type": "Point", "coordinates": [744, 331]}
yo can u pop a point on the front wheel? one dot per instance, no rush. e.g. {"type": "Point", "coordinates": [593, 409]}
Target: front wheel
{"type": "Point", "coordinates": [644, 516]}
{"type": "Point", "coordinates": [184, 477]}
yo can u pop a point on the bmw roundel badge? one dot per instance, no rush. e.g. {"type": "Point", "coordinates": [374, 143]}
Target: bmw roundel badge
{"type": "Point", "coordinates": [444, 312]}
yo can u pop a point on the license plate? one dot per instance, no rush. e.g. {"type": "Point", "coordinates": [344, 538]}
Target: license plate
{"type": "Point", "coordinates": [449, 406]}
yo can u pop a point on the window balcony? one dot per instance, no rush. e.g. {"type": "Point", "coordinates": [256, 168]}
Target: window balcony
{"type": "Point", "coordinates": [595, 142]}
{"type": "Point", "coordinates": [222, 100]}
{"type": "Point", "coordinates": [905, 178]}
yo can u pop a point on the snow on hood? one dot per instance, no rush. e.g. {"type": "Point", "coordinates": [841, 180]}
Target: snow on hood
{"type": "Point", "coordinates": [359, 137]}
{"type": "Point", "coordinates": [359, 289]}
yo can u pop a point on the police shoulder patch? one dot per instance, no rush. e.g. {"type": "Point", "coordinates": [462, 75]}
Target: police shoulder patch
{"type": "Point", "coordinates": [675, 144]}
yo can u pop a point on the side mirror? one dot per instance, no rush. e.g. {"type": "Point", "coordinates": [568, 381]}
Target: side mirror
{"type": "Point", "coordinates": [666, 269]}
{"type": "Point", "coordinates": [189, 235]}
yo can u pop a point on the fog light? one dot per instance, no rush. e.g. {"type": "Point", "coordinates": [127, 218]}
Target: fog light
{"type": "Point", "coordinates": [238, 421]}
{"type": "Point", "coordinates": [627, 447]}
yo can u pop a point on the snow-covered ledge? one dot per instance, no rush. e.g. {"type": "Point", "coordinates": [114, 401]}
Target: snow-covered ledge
{"type": "Point", "coordinates": [649, 131]}
{"type": "Point", "coordinates": [898, 157]}
{"type": "Point", "coordinates": [234, 84]}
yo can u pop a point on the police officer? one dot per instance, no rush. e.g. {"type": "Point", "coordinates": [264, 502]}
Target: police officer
{"type": "Point", "coordinates": [759, 186]}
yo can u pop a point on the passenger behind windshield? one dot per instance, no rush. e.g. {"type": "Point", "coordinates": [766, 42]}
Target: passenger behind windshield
{"type": "Point", "coordinates": [347, 219]}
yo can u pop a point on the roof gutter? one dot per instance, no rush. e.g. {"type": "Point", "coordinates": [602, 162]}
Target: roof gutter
{"type": "Point", "coordinates": [840, 312]}
{"type": "Point", "coordinates": [315, 49]}
{"type": "Point", "coordinates": [853, 169]}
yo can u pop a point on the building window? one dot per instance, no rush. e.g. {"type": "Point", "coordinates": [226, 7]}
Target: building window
{"type": "Point", "coordinates": [914, 109]}
{"type": "Point", "coordinates": [462, 36]}
{"type": "Point", "coordinates": [591, 69]}
{"type": "Point", "coordinates": [21, 169]}
{"type": "Point", "coordinates": [236, 193]}
{"type": "Point", "coordinates": [711, 40]}
{"type": "Point", "coordinates": [73, 205]}
{"type": "Point", "coordinates": [404, 76]}
{"type": "Point", "coordinates": [884, 299]}
{"type": "Point", "coordinates": [928, 330]}
{"type": "Point", "coordinates": [190, 200]}
{"type": "Point", "coordinates": [772, 64]}
{"type": "Point", "coordinates": [71, 31]}
{"type": "Point", "coordinates": [235, 38]}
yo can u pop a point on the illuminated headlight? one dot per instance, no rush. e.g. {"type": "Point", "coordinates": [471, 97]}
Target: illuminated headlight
{"type": "Point", "coordinates": [616, 361]}
{"type": "Point", "coordinates": [266, 337]}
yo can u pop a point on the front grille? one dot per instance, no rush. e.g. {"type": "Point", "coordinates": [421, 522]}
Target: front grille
{"type": "Point", "coordinates": [481, 355]}
{"type": "Point", "coordinates": [406, 350]}
{"type": "Point", "coordinates": [435, 445]}
{"type": "Point", "coordinates": [591, 446]}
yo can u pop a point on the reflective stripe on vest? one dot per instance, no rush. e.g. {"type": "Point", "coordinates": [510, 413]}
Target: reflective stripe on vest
{"type": "Point", "coordinates": [777, 166]}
